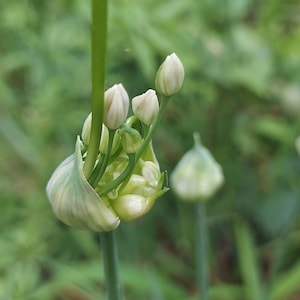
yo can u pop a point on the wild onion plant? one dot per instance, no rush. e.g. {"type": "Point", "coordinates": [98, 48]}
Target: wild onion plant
{"type": "Point", "coordinates": [195, 179]}
{"type": "Point", "coordinates": [113, 175]}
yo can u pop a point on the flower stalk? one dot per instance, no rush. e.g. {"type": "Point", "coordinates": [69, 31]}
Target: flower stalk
{"type": "Point", "coordinates": [202, 250]}
{"type": "Point", "coordinates": [111, 265]}
{"type": "Point", "coordinates": [98, 56]}
{"type": "Point", "coordinates": [98, 46]}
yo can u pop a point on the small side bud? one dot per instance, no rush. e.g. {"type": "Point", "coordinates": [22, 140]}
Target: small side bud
{"type": "Point", "coordinates": [86, 129]}
{"type": "Point", "coordinates": [104, 141]}
{"type": "Point", "coordinates": [116, 105]}
{"type": "Point", "coordinates": [170, 75]}
{"type": "Point", "coordinates": [130, 138]}
{"type": "Point", "coordinates": [146, 107]}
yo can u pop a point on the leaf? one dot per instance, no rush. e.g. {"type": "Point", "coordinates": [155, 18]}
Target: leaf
{"type": "Point", "coordinates": [248, 261]}
{"type": "Point", "coordinates": [286, 284]}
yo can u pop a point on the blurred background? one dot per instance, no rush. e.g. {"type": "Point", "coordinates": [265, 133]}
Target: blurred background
{"type": "Point", "coordinates": [241, 93]}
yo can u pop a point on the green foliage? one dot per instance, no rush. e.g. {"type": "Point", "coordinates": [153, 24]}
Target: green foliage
{"type": "Point", "coordinates": [241, 94]}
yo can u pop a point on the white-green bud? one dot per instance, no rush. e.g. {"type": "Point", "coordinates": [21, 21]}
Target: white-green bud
{"type": "Point", "coordinates": [86, 129]}
{"type": "Point", "coordinates": [105, 138]}
{"type": "Point", "coordinates": [137, 198]}
{"type": "Point", "coordinates": [132, 206]}
{"type": "Point", "coordinates": [144, 186]}
{"type": "Point", "coordinates": [170, 76]}
{"type": "Point", "coordinates": [73, 199]}
{"type": "Point", "coordinates": [116, 105]}
{"type": "Point", "coordinates": [146, 107]}
{"type": "Point", "coordinates": [197, 176]}
{"type": "Point", "coordinates": [131, 139]}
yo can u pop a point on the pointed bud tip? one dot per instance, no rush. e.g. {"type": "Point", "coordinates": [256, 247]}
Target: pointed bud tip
{"type": "Point", "coordinates": [146, 107]}
{"type": "Point", "coordinates": [116, 105]}
{"type": "Point", "coordinates": [170, 75]}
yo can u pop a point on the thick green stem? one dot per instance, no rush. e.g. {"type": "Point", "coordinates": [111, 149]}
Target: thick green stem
{"type": "Point", "coordinates": [202, 250]}
{"type": "Point", "coordinates": [98, 45]}
{"type": "Point", "coordinates": [100, 169]}
{"type": "Point", "coordinates": [110, 259]}
{"type": "Point", "coordinates": [122, 177]}
{"type": "Point", "coordinates": [98, 37]}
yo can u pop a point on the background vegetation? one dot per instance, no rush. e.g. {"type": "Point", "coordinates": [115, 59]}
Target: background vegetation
{"type": "Point", "coordinates": [241, 93]}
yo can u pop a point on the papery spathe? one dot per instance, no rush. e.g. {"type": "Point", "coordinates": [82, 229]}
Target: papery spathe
{"type": "Point", "coordinates": [73, 199]}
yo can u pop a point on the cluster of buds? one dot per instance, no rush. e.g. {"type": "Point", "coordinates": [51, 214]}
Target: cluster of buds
{"type": "Point", "coordinates": [126, 179]}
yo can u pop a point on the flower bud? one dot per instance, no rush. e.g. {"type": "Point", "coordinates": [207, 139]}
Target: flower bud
{"type": "Point", "coordinates": [132, 206]}
{"type": "Point", "coordinates": [146, 107]}
{"type": "Point", "coordinates": [73, 199]}
{"type": "Point", "coordinates": [116, 105]}
{"type": "Point", "coordinates": [131, 139]}
{"type": "Point", "coordinates": [104, 141]}
{"type": "Point", "coordinates": [86, 129]}
{"type": "Point", "coordinates": [85, 135]}
{"type": "Point", "coordinates": [170, 75]}
{"type": "Point", "coordinates": [137, 198]}
{"type": "Point", "coordinates": [140, 191]}
{"type": "Point", "coordinates": [197, 175]}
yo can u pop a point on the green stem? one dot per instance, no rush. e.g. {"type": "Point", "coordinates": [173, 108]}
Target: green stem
{"type": "Point", "coordinates": [98, 37]}
{"type": "Point", "coordinates": [100, 168]}
{"type": "Point", "coordinates": [123, 176]}
{"type": "Point", "coordinates": [201, 250]}
{"type": "Point", "coordinates": [110, 258]}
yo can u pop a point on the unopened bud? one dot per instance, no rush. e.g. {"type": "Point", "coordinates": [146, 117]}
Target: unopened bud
{"type": "Point", "coordinates": [131, 139]}
{"type": "Point", "coordinates": [116, 105]}
{"type": "Point", "coordinates": [146, 107]}
{"type": "Point", "coordinates": [86, 129]}
{"type": "Point", "coordinates": [104, 141]}
{"type": "Point", "coordinates": [170, 75]}
{"type": "Point", "coordinates": [137, 198]}
{"type": "Point", "coordinates": [197, 176]}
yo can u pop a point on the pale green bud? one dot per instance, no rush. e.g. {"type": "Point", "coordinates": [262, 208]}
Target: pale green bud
{"type": "Point", "coordinates": [73, 199]}
{"type": "Point", "coordinates": [86, 129]}
{"type": "Point", "coordinates": [131, 139]}
{"type": "Point", "coordinates": [146, 107]}
{"type": "Point", "coordinates": [151, 173]}
{"type": "Point", "coordinates": [85, 135]}
{"type": "Point", "coordinates": [170, 76]}
{"type": "Point", "coordinates": [197, 176]}
{"type": "Point", "coordinates": [137, 198]}
{"type": "Point", "coordinates": [116, 105]}
{"type": "Point", "coordinates": [144, 186]}
{"type": "Point", "coordinates": [132, 206]}
{"type": "Point", "coordinates": [105, 138]}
